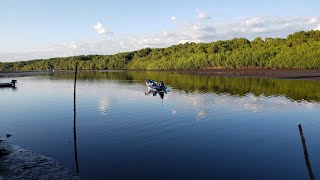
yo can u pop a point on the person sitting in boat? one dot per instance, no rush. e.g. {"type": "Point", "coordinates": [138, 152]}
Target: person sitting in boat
{"type": "Point", "coordinates": [153, 83]}
{"type": "Point", "coordinates": [150, 82]}
{"type": "Point", "coordinates": [161, 84]}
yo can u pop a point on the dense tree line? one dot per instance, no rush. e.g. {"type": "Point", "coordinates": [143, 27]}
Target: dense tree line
{"type": "Point", "coordinates": [298, 50]}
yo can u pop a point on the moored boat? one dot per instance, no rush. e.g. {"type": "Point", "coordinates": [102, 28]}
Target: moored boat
{"type": "Point", "coordinates": [9, 84]}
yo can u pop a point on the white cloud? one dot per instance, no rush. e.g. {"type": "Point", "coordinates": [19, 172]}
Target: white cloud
{"type": "Point", "coordinates": [314, 20]}
{"type": "Point", "coordinates": [100, 29]}
{"type": "Point", "coordinates": [255, 21]}
{"type": "Point", "coordinates": [173, 18]}
{"type": "Point", "coordinates": [183, 41]}
{"type": "Point", "coordinates": [71, 45]}
{"type": "Point", "coordinates": [317, 28]}
{"type": "Point", "coordinates": [265, 27]}
{"type": "Point", "coordinates": [203, 27]}
{"type": "Point", "coordinates": [198, 32]}
{"type": "Point", "coordinates": [202, 15]}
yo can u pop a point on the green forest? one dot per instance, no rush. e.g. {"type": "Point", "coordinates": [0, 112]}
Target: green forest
{"type": "Point", "coordinates": [298, 50]}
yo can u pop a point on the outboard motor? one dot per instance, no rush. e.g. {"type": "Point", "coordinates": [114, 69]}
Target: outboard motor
{"type": "Point", "coordinates": [13, 82]}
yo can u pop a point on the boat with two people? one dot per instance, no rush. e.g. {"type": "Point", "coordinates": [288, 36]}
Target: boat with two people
{"type": "Point", "coordinates": [153, 85]}
{"type": "Point", "coordinates": [155, 88]}
{"type": "Point", "coordinates": [9, 84]}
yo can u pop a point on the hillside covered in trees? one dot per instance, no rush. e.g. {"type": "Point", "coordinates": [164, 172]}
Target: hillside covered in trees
{"type": "Point", "coordinates": [298, 50]}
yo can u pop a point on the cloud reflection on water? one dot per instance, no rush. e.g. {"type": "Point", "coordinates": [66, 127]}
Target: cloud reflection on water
{"type": "Point", "coordinates": [201, 105]}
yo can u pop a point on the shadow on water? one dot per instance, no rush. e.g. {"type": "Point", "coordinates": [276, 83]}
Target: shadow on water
{"type": "Point", "coordinates": [14, 89]}
{"type": "Point", "coordinates": [74, 122]}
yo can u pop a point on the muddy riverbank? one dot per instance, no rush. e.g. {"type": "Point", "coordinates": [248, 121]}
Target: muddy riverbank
{"type": "Point", "coordinates": [313, 74]}
{"type": "Point", "coordinates": [18, 163]}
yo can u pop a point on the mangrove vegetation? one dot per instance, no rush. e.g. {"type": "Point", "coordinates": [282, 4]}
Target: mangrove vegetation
{"type": "Point", "coordinates": [298, 50]}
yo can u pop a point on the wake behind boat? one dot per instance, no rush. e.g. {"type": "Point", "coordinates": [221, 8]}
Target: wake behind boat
{"type": "Point", "coordinates": [152, 85]}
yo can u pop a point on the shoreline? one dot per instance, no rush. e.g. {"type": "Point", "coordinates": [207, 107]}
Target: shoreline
{"type": "Point", "coordinates": [305, 74]}
{"type": "Point", "coordinates": [18, 163]}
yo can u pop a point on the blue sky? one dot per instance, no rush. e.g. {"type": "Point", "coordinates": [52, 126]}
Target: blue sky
{"type": "Point", "coordinates": [32, 29]}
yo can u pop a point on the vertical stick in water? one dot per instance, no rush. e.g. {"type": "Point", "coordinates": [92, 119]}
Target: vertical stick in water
{"type": "Point", "coordinates": [74, 120]}
{"type": "Point", "coordinates": [306, 156]}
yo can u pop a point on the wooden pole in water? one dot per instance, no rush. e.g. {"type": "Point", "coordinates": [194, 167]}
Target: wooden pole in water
{"type": "Point", "coordinates": [306, 156]}
{"type": "Point", "coordinates": [74, 120]}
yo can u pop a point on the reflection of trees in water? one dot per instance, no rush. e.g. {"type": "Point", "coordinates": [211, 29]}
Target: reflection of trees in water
{"type": "Point", "coordinates": [293, 89]}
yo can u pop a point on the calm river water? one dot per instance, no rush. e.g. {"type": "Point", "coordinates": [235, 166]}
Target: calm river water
{"type": "Point", "coordinates": [203, 128]}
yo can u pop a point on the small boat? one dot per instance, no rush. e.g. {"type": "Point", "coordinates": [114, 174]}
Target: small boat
{"type": "Point", "coordinates": [10, 84]}
{"type": "Point", "coordinates": [152, 85]}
